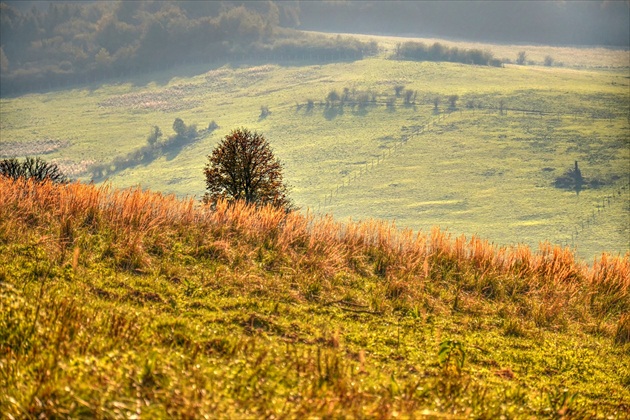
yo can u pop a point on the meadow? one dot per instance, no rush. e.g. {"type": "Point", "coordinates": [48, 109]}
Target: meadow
{"type": "Point", "coordinates": [470, 170]}
{"type": "Point", "coordinates": [131, 304]}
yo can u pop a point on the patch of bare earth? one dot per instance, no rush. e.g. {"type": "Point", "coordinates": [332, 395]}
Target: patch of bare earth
{"type": "Point", "coordinates": [175, 98]}
{"type": "Point", "coordinates": [71, 168]}
{"type": "Point", "coordinates": [31, 148]}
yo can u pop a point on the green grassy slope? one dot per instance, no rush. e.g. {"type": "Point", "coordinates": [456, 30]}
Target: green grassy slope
{"type": "Point", "coordinates": [496, 179]}
{"type": "Point", "coordinates": [118, 304]}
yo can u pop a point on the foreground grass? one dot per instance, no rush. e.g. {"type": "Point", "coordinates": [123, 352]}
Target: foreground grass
{"type": "Point", "coordinates": [122, 303]}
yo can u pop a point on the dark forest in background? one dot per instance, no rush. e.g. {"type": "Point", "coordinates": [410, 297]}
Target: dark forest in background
{"type": "Point", "coordinates": [82, 42]}
{"type": "Point", "coordinates": [48, 44]}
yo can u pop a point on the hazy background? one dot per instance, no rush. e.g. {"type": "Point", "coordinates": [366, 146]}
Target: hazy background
{"type": "Point", "coordinates": [548, 22]}
{"type": "Point", "coordinates": [46, 44]}
{"type": "Point", "coordinates": [551, 22]}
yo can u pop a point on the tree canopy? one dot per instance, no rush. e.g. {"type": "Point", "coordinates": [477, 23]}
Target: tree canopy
{"type": "Point", "coordinates": [56, 43]}
{"type": "Point", "coordinates": [243, 167]}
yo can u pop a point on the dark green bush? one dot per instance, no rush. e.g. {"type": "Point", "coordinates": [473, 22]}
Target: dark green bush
{"type": "Point", "coordinates": [32, 168]}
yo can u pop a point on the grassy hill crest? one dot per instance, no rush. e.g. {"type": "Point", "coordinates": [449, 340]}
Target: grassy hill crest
{"type": "Point", "coordinates": [129, 303]}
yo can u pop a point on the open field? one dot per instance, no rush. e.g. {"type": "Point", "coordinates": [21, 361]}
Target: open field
{"type": "Point", "coordinates": [129, 304]}
{"type": "Point", "coordinates": [472, 171]}
{"type": "Point", "coordinates": [467, 190]}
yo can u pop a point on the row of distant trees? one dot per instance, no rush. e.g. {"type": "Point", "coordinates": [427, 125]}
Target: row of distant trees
{"type": "Point", "coordinates": [521, 59]}
{"type": "Point", "coordinates": [419, 51]}
{"type": "Point", "coordinates": [88, 41]}
{"type": "Point", "coordinates": [360, 98]}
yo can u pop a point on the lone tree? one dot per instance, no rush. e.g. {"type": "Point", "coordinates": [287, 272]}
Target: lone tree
{"type": "Point", "coordinates": [548, 61]}
{"type": "Point", "coordinates": [184, 131]}
{"type": "Point", "coordinates": [264, 112]}
{"type": "Point", "coordinates": [410, 96]}
{"type": "Point", "coordinates": [243, 167]}
{"type": "Point", "coordinates": [154, 135]}
{"type": "Point", "coordinates": [179, 127]}
{"type": "Point", "coordinates": [332, 98]}
{"type": "Point", "coordinates": [436, 104]}
{"type": "Point", "coordinates": [452, 100]}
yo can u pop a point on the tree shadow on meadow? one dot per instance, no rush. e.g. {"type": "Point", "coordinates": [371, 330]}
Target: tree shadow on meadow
{"type": "Point", "coordinates": [332, 112]}
{"type": "Point", "coordinates": [148, 153]}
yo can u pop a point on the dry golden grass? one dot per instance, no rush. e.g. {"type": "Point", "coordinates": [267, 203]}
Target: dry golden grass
{"type": "Point", "coordinates": [141, 224]}
{"type": "Point", "coordinates": [121, 303]}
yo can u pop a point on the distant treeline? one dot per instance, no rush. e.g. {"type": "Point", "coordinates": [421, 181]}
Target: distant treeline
{"type": "Point", "coordinates": [81, 42]}
{"type": "Point", "coordinates": [419, 51]}
{"type": "Point", "coordinates": [45, 44]}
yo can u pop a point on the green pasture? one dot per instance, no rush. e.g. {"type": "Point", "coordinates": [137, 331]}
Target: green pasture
{"type": "Point", "coordinates": [469, 170]}
{"type": "Point", "coordinates": [158, 349]}
{"type": "Point", "coordinates": [493, 183]}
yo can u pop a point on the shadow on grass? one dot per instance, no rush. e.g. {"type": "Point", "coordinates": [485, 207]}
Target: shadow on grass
{"type": "Point", "coordinates": [139, 79]}
{"type": "Point", "coordinates": [332, 112]}
{"type": "Point", "coordinates": [144, 155]}
{"type": "Point", "coordinates": [360, 111]}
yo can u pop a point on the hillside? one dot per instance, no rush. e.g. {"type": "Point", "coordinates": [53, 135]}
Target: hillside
{"type": "Point", "coordinates": [53, 43]}
{"type": "Point", "coordinates": [123, 303]}
{"type": "Point", "coordinates": [469, 170]}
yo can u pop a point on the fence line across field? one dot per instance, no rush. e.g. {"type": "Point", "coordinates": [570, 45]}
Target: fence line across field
{"type": "Point", "coordinates": [574, 231]}
{"type": "Point", "coordinates": [354, 175]}
{"type": "Point", "coordinates": [598, 211]}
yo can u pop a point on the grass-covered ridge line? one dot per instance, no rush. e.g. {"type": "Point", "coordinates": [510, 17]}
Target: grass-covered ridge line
{"type": "Point", "coordinates": [123, 302]}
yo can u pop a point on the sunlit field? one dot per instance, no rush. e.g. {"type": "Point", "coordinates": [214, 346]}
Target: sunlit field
{"type": "Point", "coordinates": [124, 303]}
{"type": "Point", "coordinates": [471, 169]}
{"type": "Point", "coordinates": [446, 235]}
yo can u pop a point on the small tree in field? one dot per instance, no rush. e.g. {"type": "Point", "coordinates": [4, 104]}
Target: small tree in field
{"type": "Point", "coordinates": [436, 104]}
{"type": "Point", "coordinates": [410, 96]}
{"type": "Point", "coordinates": [243, 167]}
{"type": "Point", "coordinates": [452, 100]}
{"type": "Point", "coordinates": [548, 61]}
{"type": "Point", "coordinates": [154, 135]}
{"type": "Point", "coordinates": [179, 127]}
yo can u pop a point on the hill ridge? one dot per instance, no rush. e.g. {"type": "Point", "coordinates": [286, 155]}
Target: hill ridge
{"type": "Point", "coordinates": [121, 303]}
